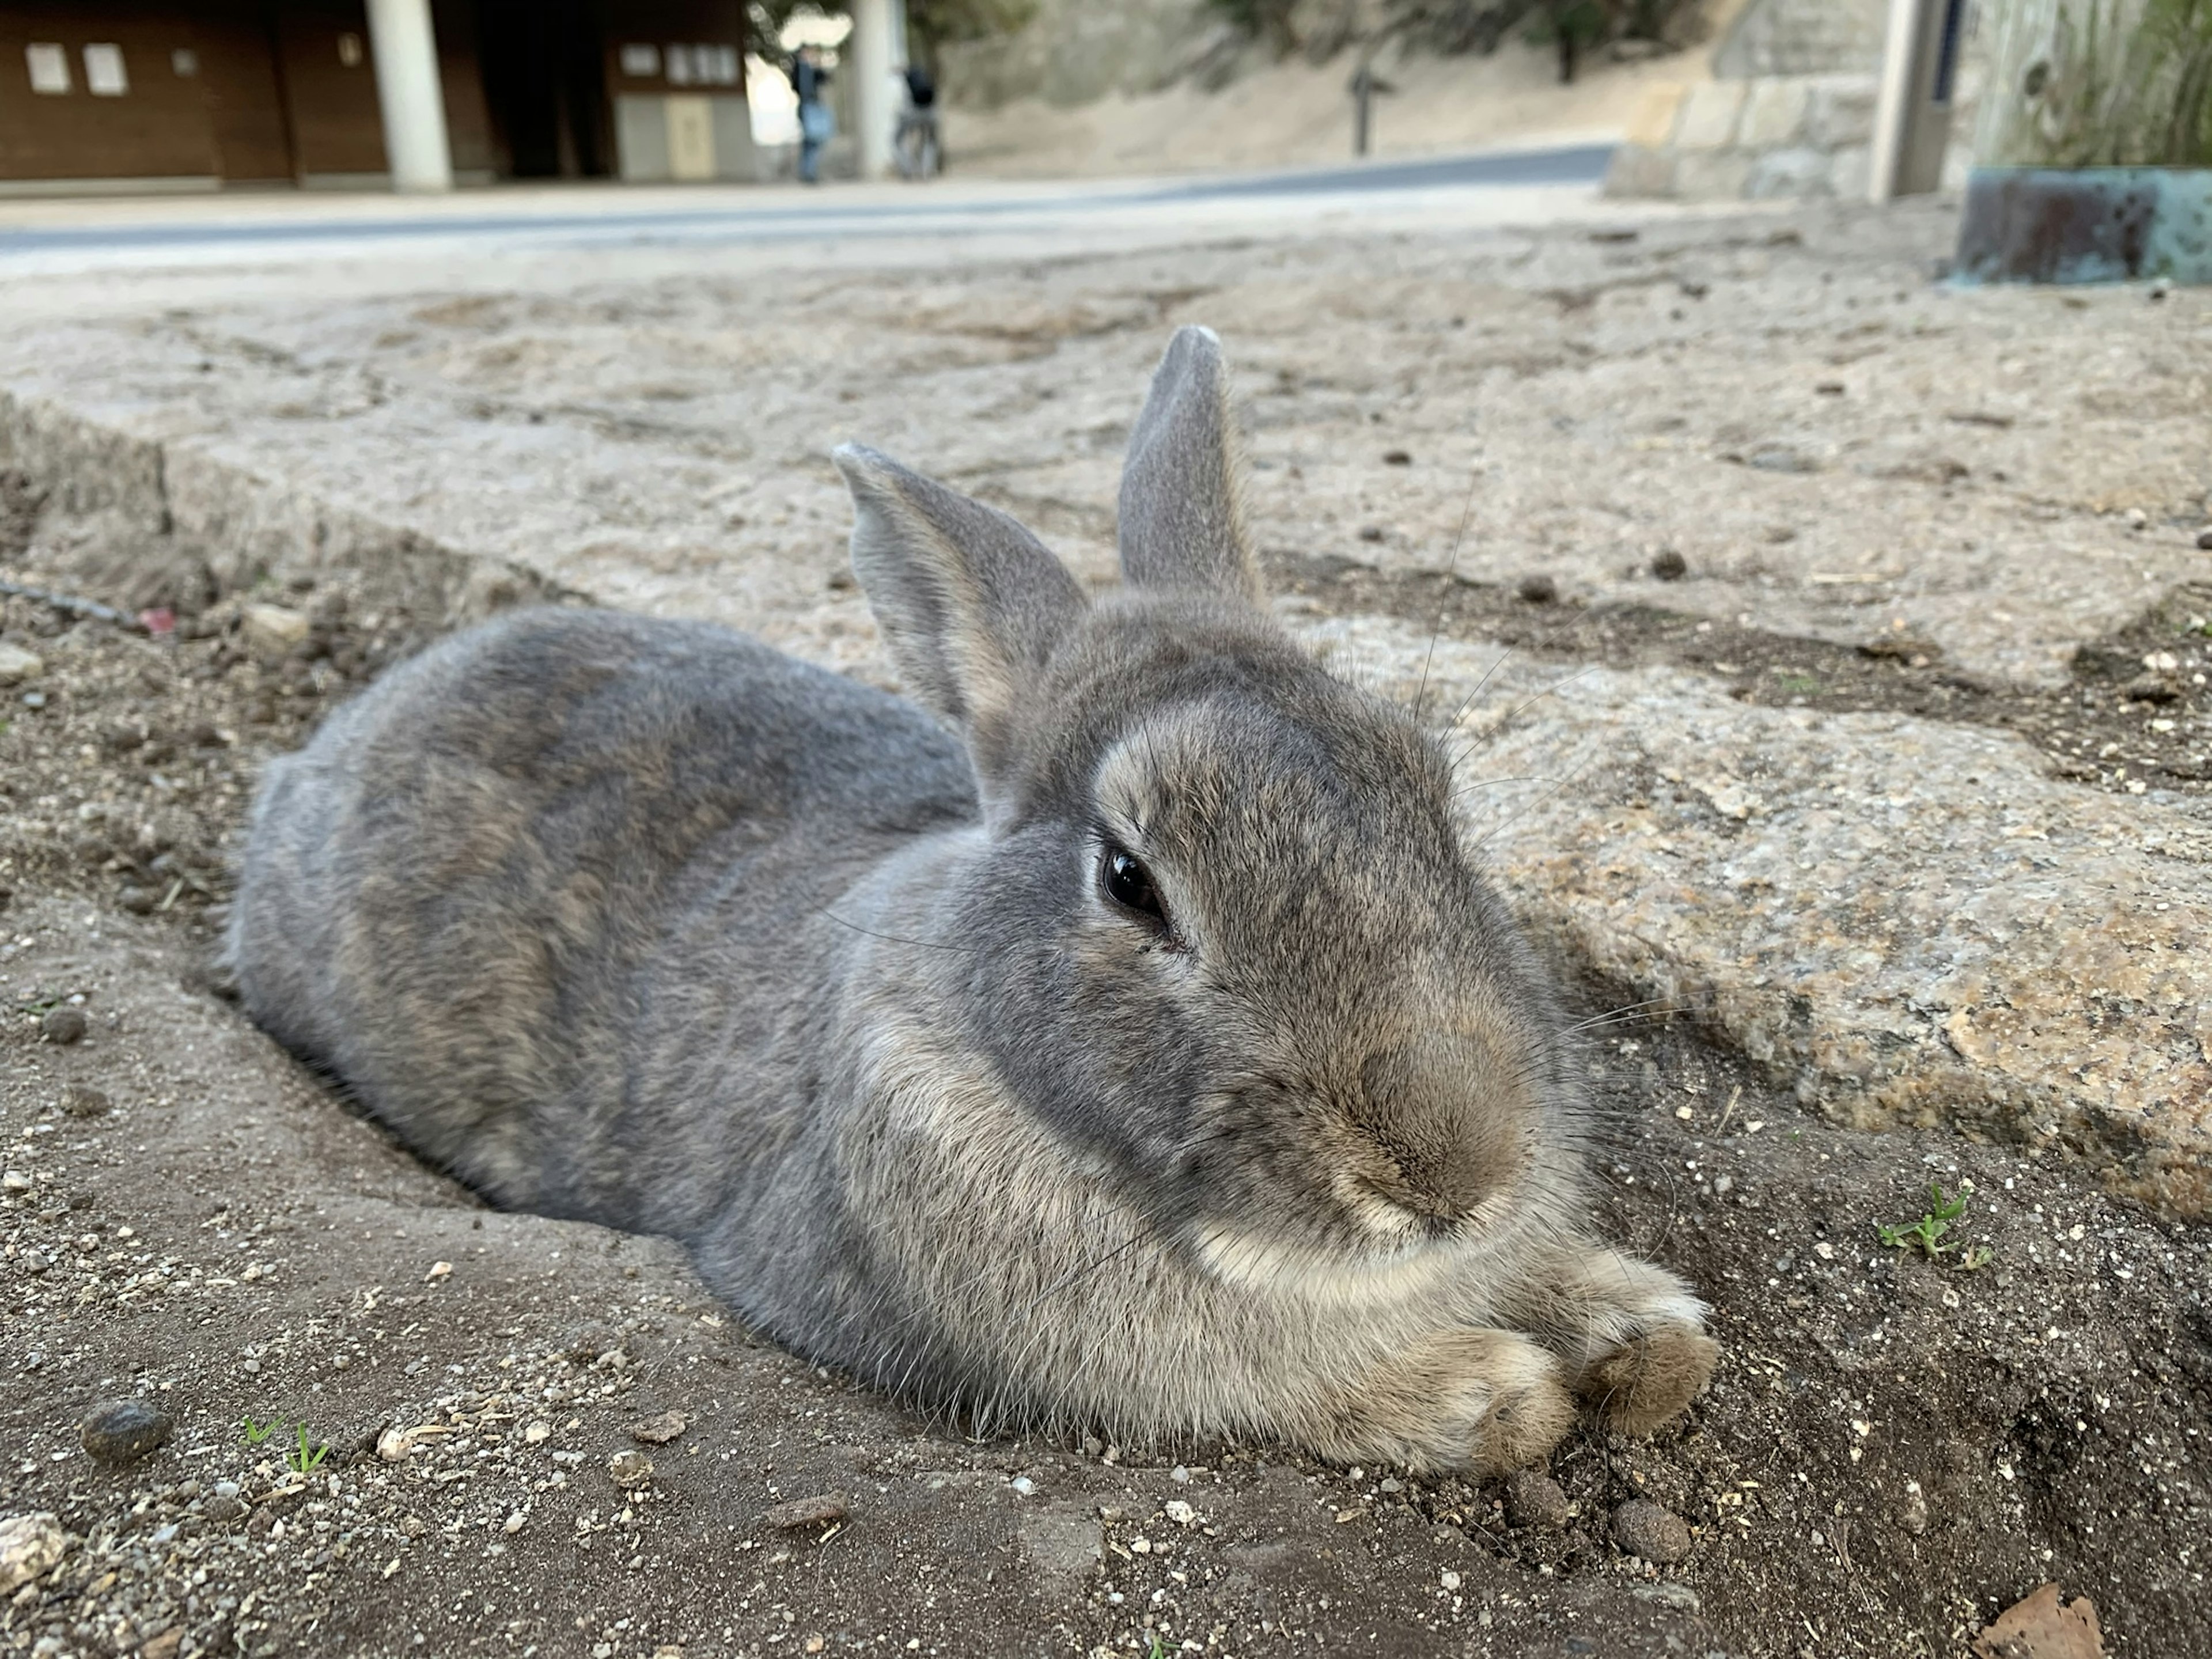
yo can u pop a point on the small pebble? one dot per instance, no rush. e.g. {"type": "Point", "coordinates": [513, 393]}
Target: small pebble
{"type": "Point", "coordinates": [658, 1431]}
{"type": "Point", "coordinates": [1912, 1513]}
{"type": "Point", "coordinates": [1644, 1529]}
{"type": "Point", "coordinates": [395, 1445]}
{"type": "Point", "coordinates": [1371, 533]}
{"type": "Point", "coordinates": [1533, 1499]}
{"type": "Point", "coordinates": [1397, 458]}
{"type": "Point", "coordinates": [83, 1100]}
{"type": "Point", "coordinates": [818, 1511]}
{"type": "Point", "coordinates": [29, 1544]}
{"type": "Point", "coordinates": [224, 1507]}
{"type": "Point", "coordinates": [1539, 589]}
{"type": "Point", "coordinates": [139, 900]}
{"type": "Point", "coordinates": [1668, 566]}
{"type": "Point", "coordinates": [63, 1025]}
{"type": "Point", "coordinates": [2204, 540]}
{"type": "Point", "coordinates": [17, 665]}
{"type": "Point", "coordinates": [123, 1430]}
{"type": "Point", "coordinates": [629, 1469]}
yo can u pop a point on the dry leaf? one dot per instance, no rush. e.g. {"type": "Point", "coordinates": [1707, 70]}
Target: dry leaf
{"type": "Point", "coordinates": [2039, 1628]}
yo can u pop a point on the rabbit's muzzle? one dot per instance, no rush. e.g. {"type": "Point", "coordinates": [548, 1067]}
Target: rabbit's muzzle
{"type": "Point", "coordinates": [1450, 1121]}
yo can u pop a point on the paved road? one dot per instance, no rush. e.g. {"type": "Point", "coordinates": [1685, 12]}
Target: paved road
{"type": "Point", "coordinates": [47, 238]}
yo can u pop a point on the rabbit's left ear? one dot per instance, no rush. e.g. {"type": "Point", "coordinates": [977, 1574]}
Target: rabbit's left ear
{"type": "Point", "coordinates": [1181, 510]}
{"type": "Point", "coordinates": [970, 603]}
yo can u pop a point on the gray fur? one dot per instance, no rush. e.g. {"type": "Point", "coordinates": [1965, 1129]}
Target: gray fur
{"type": "Point", "coordinates": [643, 922]}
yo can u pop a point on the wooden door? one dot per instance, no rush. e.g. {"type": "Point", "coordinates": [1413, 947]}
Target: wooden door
{"type": "Point", "coordinates": [245, 94]}
{"type": "Point", "coordinates": [329, 89]}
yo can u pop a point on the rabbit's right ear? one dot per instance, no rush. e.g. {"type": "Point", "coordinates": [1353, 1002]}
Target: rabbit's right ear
{"type": "Point", "coordinates": [1182, 514]}
{"type": "Point", "coordinates": [969, 603]}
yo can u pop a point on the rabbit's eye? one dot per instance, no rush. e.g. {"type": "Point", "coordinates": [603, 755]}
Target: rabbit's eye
{"type": "Point", "coordinates": [1129, 884]}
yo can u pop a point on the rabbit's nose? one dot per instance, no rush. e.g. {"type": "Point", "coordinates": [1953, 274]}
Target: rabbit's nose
{"type": "Point", "coordinates": [1451, 1112]}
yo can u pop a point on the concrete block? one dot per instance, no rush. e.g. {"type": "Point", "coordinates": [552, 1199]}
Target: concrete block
{"type": "Point", "coordinates": [1710, 176]}
{"type": "Point", "coordinates": [1653, 123]}
{"type": "Point", "coordinates": [1640, 170]}
{"type": "Point", "coordinates": [1848, 170]}
{"type": "Point", "coordinates": [1842, 110]}
{"type": "Point", "coordinates": [1710, 115]}
{"type": "Point", "coordinates": [1788, 173]}
{"type": "Point", "coordinates": [1773, 114]}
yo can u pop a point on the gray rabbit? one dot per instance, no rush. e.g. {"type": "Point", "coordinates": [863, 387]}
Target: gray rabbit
{"type": "Point", "coordinates": [1118, 1035]}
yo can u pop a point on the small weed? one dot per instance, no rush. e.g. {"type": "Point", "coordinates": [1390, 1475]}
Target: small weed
{"type": "Point", "coordinates": [1158, 1651]}
{"type": "Point", "coordinates": [257, 1432]}
{"type": "Point", "coordinates": [1976, 1256]}
{"type": "Point", "coordinates": [1926, 1235]}
{"type": "Point", "coordinates": [1798, 684]}
{"type": "Point", "coordinates": [307, 1459]}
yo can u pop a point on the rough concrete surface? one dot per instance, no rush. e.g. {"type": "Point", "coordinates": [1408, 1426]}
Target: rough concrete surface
{"type": "Point", "coordinates": [1925, 851]}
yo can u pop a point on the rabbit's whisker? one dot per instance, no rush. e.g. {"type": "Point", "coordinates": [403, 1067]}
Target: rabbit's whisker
{"type": "Point", "coordinates": [1526, 806]}
{"type": "Point", "coordinates": [1452, 568]}
{"type": "Point", "coordinates": [894, 938]}
{"type": "Point", "coordinates": [1467, 701]}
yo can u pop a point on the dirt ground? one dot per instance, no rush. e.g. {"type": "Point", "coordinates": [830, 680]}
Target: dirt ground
{"type": "Point", "coordinates": [1896, 1446]}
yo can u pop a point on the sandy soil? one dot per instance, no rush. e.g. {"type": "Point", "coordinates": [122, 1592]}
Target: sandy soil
{"type": "Point", "coordinates": [1294, 113]}
{"type": "Point", "coordinates": [1896, 1446]}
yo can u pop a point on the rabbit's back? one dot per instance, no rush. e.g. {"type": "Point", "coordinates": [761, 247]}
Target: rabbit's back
{"type": "Point", "coordinates": [469, 898]}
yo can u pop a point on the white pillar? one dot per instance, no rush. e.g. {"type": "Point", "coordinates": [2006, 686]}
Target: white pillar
{"type": "Point", "coordinates": [1911, 127]}
{"type": "Point", "coordinates": [873, 112]}
{"type": "Point", "coordinates": [412, 97]}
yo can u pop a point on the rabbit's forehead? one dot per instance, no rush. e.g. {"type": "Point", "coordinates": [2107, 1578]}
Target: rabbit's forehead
{"type": "Point", "coordinates": [1208, 776]}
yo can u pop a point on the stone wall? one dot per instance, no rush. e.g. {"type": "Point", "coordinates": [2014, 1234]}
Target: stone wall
{"type": "Point", "coordinates": [1789, 111]}
{"type": "Point", "coordinates": [1776, 135]}
{"type": "Point", "coordinates": [1803, 36]}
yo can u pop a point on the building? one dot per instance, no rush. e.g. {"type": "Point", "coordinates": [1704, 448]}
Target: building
{"type": "Point", "coordinates": [111, 95]}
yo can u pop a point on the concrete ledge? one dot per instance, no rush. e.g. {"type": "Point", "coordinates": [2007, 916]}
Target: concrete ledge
{"type": "Point", "coordinates": [169, 506]}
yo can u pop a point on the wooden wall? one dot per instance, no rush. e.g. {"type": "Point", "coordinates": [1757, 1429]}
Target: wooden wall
{"type": "Point", "coordinates": [157, 128]}
{"type": "Point", "coordinates": [261, 93]}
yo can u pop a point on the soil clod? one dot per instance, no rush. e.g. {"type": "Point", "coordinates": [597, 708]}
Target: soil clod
{"type": "Point", "coordinates": [1534, 1500]}
{"type": "Point", "coordinates": [83, 1100]}
{"type": "Point", "coordinates": [660, 1430]}
{"type": "Point", "coordinates": [124, 1431]}
{"type": "Point", "coordinates": [1644, 1529]}
{"type": "Point", "coordinates": [797, 1512]}
{"type": "Point", "coordinates": [63, 1025]}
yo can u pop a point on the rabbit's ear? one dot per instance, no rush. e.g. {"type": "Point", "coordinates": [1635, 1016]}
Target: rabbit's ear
{"type": "Point", "coordinates": [1182, 518]}
{"type": "Point", "coordinates": [970, 603]}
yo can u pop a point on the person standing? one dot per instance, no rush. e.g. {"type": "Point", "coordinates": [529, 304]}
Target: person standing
{"type": "Point", "coordinates": [808, 78]}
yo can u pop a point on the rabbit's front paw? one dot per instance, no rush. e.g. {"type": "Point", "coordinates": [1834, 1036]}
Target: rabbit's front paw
{"type": "Point", "coordinates": [1630, 1336]}
{"type": "Point", "coordinates": [1484, 1400]}
{"type": "Point", "coordinates": [1650, 1378]}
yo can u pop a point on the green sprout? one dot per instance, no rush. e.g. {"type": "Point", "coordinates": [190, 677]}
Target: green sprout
{"type": "Point", "coordinates": [1926, 1235]}
{"type": "Point", "coordinates": [257, 1432]}
{"type": "Point", "coordinates": [307, 1459]}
